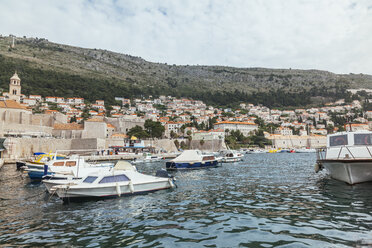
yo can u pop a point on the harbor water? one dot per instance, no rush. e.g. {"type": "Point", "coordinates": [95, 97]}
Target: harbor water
{"type": "Point", "coordinates": [267, 200]}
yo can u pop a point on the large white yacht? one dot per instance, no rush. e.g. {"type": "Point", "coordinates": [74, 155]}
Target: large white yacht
{"type": "Point", "coordinates": [348, 156]}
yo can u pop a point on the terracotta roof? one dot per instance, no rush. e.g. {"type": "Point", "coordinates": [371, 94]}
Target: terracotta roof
{"type": "Point", "coordinates": [235, 122]}
{"type": "Point", "coordinates": [68, 126]}
{"type": "Point", "coordinates": [119, 135]}
{"type": "Point", "coordinates": [11, 104]}
{"type": "Point", "coordinates": [95, 120]}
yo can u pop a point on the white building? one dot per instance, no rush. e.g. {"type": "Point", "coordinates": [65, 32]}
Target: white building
{"type": "Point", "coordinates": [216, 134]}
{"type": "Point", "coordinates": [244, 127]}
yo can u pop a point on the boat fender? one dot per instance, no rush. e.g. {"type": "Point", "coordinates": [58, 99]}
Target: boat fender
{"type": "Point", "coordinates": [317, 167]}
{"type": "Point", "coordinates": [131, 188]}
{"type": "Point", "coordinates": [45, 169]}
{"type": "Point", "coordinates": [118, 191]}
{"type": "Point", "coordinates": [171, 183]}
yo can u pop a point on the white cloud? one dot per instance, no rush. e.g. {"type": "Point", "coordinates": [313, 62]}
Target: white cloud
{"type": "Point", "coordinates": [306, 34]}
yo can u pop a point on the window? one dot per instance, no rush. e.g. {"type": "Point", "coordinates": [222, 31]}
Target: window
{"type": "Point", "coordinates": [71, 163]}
{"type": "Point", "coordinates": [114, 179]}
{"type": "Point", "coordinates": [338, 140]}
{"type": "Point", "coordinates": [89, 179]}
{"type": "Point", "coordinates": [363, 139]}
{"type": "Point", "coordinates": [59, 163]}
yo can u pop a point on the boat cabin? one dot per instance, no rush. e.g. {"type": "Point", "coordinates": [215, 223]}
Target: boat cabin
{"type": "Point", "coordinates": [360, 138]}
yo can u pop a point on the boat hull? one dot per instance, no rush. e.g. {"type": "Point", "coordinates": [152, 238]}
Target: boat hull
{"type": "Point", "coordinates": [198, 165]}
{"type": "Point", "coordinates": [74, 193]}
{"type": "Point", "coordinates": [349, 171]}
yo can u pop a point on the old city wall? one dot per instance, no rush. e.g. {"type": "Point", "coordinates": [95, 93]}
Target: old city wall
{"type": "Point", "coordinates": [25, 147]}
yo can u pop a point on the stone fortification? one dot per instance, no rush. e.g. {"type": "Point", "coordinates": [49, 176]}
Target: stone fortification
{"type": "Point", "coordinates": [208, 145]}
{"type": "Point", "coordinates": [293, 141]}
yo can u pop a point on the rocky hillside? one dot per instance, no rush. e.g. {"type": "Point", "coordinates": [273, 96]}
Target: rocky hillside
{"type": "Point", "coordinates": [54, 69]}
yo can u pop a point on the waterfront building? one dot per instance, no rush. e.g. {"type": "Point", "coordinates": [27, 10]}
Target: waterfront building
{"type": "Point", "coordinates": [216, 134]}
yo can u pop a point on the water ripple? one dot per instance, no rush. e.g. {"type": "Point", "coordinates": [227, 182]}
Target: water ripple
{"type": "Point", "coordinates": [268, 200]}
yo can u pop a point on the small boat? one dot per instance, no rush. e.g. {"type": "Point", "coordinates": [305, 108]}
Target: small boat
{"type": "Point", "coordinates": [305, 150]}
{"type": "Point", "coordinates": [121, 180]}
{"type": "Point", "coordinates": [40, 159]}
{"type": "Point", "coordinates": [147, 158]}
{"type": "Point", "coordinates": [347, 157]}
{"type": "Point", "coordinates": [232, 156]}
{"type": "Point", "coordinates": [192, 159]}
{"type": "Point", "coordinates": [63, 179]}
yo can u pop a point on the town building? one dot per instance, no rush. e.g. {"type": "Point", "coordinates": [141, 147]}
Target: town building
{"type": "Point", "coordinates": [246, 128]}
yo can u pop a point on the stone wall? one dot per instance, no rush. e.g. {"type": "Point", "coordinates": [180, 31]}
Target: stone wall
{"type": "Point", "coordinates": [87, 144]}
{"type": "Point", "coordinates": [94, 129]}
{"type": "Point", "coordinates": [208, 145]}
{"type": "Point", "coordinates": [292, 141]}
{"type": "Point", "coordinates": [164, 144]}
{"type": "Point", "coordinates": [122, 125]}
{"type": "Point", "coordinates": [6, 128]}
{"type": "Point", "coordinates": [25, 147]}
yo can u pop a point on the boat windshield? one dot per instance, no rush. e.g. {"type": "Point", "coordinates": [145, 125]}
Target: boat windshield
{"type": "Point", "coordinates": [363, 139]}
{"type": "Point", "coordinates": [89, 179]}
{"type": "Point", "coordinates": [114, 179]}
{"type": "Point", "coordinates": [338, 140]}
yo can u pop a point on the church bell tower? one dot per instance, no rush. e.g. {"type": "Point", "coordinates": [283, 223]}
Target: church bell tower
{"type": "Point", "coordinates": [15, 88]}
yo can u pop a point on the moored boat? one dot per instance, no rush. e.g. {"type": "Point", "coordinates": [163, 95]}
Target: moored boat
{"type": "Point", "coordinates": [147, 158]}
{"type": "Point", "coordinates": [347, 157]}
{"type": "Point", "coordinates": [112, 183]}
{"type": "Point", "coordinates": [192, 159]}
{"type": "Point", "coordinates": [232, 156]}
{"type": "Point", "coordinates": [40, 159]}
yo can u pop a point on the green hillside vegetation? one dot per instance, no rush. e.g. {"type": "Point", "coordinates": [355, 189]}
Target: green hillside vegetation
{"type": "Point", "coordinates": [51, 69]}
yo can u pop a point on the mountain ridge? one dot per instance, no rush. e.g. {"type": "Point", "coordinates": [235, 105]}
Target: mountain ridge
{"type": "Point", "coordinates": [138, 77]}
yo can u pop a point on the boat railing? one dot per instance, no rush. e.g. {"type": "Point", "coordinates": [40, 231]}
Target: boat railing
{"type": "Point", "coordinates": [321, 153]}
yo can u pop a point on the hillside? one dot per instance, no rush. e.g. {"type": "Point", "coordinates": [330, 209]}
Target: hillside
{"type": "Point", "coordinates": [50, 69]}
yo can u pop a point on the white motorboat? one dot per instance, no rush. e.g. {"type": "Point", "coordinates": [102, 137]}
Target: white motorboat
{"type": "Point", "coordinates": [63, 179]}
{"type": "Point", "coordinates": [347, 157]}
{"type": "Point", "coordinates": [305, 150]}
{"type": "Point", "coordinates": [147, 158]}
{"type": "Point", "coordinates": [232, 156]}
{"type": "Point", "coordinates": [192, 159]}
{"type": "Point", "coordinates": [115, 182]}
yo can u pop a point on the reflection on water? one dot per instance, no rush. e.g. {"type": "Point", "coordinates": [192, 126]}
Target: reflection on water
{"type": "Point", "coordinates": [266, 200]}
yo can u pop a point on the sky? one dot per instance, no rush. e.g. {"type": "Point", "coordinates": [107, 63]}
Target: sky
{"type": "Point", "coordinates": [333, 35]}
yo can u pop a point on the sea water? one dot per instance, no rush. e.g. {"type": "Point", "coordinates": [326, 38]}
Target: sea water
{"type": "Point", "coordinates": [266, 200]}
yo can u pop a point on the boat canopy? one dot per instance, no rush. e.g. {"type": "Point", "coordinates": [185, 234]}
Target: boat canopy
{"type": "Point", "coordinates": [189, 156]}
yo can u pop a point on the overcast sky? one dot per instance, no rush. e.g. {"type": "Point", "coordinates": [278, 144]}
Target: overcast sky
{"type": "Point", "coordinates": [334, 35]}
